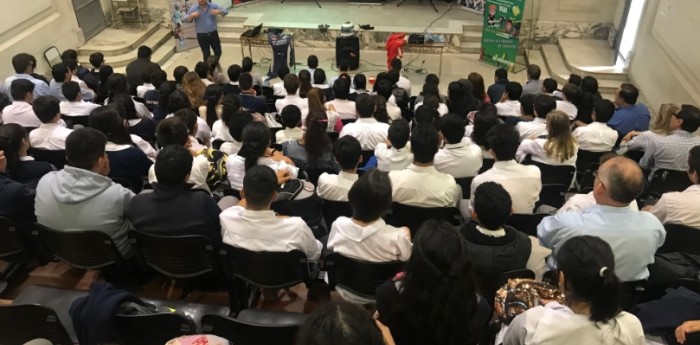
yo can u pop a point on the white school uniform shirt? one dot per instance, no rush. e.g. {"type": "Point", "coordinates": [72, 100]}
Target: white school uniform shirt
{"type": "Point", "coordinates": [198, 174]}
{"type": "Point", "coordinates": [263, 231]}
{"type": "Point", "coordinates": [390, 158]}
{"type": "Point", "coordinates": [345, 108]}
{"type": "Point", "coordinates": [219, 130]}
{"type": "Point", "coordinates": [278, 89]}
{"type": "Point", "coordinates": [393, 111]}
{"type": "Point", "coordinates": [405, 84]}
{"type": "Point", "coordinates": [535, 148]}
{"type": "Point", "coordinates": [231, 148]}
{"type": "Point", "coordinates": [288, 134]}
{"type": "Point", "coordinates": [508, 108]}
{"type": "Point", "coordinates": [555, 324]}
{"type": "Point", "coordinates": [79, 108]}
{"type": "Point", "coordinates": [301, 103]}
{"type": "Point", "coordinates": [144, 146]}
{"type": "Point", "coordinates": [424, 187]}
{"type": "Point", "coordinates": [679, 207]}
{"type": "Point", "coordinates": [376, 242]}
{"type": "Point", "coordinates": [235, 167]}
{"type": "Point", "coordinates": [21, 113]}
{"type": "Point", "coordinates": [529, 129]}
{"type": "Point", "coordinates": [368, 131]}
{"type": "Point", "coordinates": [335, 187]}
{"type": "Point", "coordinates": [459, 160]}
{"type": "Point", "coordinates": [581, 202]}
{"type": "Point", "coordinates": [442, 108]}
{"type": "Point", "coordinates": [49, 136]}
{"type": "Point", "coordinates": [569, 108]}
{"type": "Point", "coordinates": [596, 137]}
{"type": "Point", "coordinates": [522, 182]}
{"type": "Point", "coordinates": [142, 89]}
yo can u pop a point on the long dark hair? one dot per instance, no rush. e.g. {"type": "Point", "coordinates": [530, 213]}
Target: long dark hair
{"type": "Point", "coordinates": [116, 84]}
{"type": "Point", "coordinates": [588, 264]}
{"type": "Point", "coordinates": [164, 91]}
{"type": "Point", "coordinates": [107, 120]}
{"type": "Point", "coordinates": [304, 83]}
{"type": "Point", "coordinates": [484, 119]}
{"type": "Point", "coordinates": [212, 97]}
{"type": "Point", "coordinates": [316, 141]}
{"type": "Point", "coordinates": [256, 139]}
{"type": "Point", "coordinates": [380, 112]}
{"type": "Point", "coordinates": [128, 107]}
{"type": "Point", "coordinates": [11, 136]}
{"type": "Point", "coordinates": [340, 324]}
{"type": "Point", "coordinates": [230, 105]}
{"type": "Point", "coordinates": [478, 87]}
{"type": "Point", "coordinates": [437, 298]}
{"type": "Point", "coordinates": [178, 100]}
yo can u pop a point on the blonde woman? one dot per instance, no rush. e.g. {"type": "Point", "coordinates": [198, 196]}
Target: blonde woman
{"type": "Point", "coordinates": [558, 148]}
{"type": "Point", "coordinates": [194, 88]}
{"type": "Point", "coordinates": [661, 125]}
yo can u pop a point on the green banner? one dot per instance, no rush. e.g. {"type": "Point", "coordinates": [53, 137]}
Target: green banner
{"type": "Point", "coordinates": [500, 38]}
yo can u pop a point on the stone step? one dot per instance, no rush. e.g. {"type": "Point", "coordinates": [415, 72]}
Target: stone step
{"type": "Point", "coordinates": [162, 37]}
{"type": "Point", "coordinates": [230, 37]}
{"type": "Point", "coordinates": [560, 71]}
{"type": "Point", "coordinates": [233, 18]}
{"type": "Point", "coordinates": [471, 36]}
{"type": "Point", "coordinates": [470, 47]}
{"type": "Point", "coordinates": [473, 26]}
{"type": "Point", "coordinates": [117, 45]}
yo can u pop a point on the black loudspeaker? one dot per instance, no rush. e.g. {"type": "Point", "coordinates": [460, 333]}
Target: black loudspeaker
{"type": "Point", "coordinates": [347, 51]}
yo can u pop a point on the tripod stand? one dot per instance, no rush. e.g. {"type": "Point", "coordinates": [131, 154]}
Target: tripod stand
{"type": "Point", "coordinates": [419, 1]}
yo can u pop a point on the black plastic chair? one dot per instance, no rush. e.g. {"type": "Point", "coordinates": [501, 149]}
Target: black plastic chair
{"type": "Point", "coordinates": [55, 157]}
{"type": "Point", "coordinates": [466, 184]}
{"type": "Point", "coordinates": [309, 209]}
{"type": "Point", "coordinates": [526, 223]}
{"type": "Point", "coordinates": [635, 155]}
{"type": "Point", "coordinates": [664, 181]}
{"type": "Point", "coordinates": [153, 328]}
{"type": "Point", "coordinates": [361, 278]}
{"type": "Point", "coordinates": [681, 238]}
{"type": "Point", "coordinates": [585, 158]}
{"type": "Point", "coordinates": [556, 180]}
{"type": "Point", "coordinates": [255, 327]}
{"type": "Point", "coordinates": [72, 120]}
{"type": "Point", "coordinates": [87, 250]}
{"type": "Point", "coordinates": [490, 283]}
{"type": "Point", "coordinates": [177, 257]}
{"type": "Point", "coordinates": [334, 209]}
{"type": "Point", "coordinates": [366, 155]}
{"type": "Point", "coordinates": [413, 217]}
{"type": "Point", "coordinates": [248, 272]}
{"type": "Point", "coordinates": [486, 164]}
{"type": "Point", "coordinates": [313, 174]}
{"type": "Point", "coordinates": [12, 251]}
{"type": "Point", "coordinates": [22, 323]}
{"type": "Point", "coordinates": [631, 293]}
{"type": "Point", "coordinates": [586, 178]}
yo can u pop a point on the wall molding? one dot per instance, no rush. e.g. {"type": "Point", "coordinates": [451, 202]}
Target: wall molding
{"type": "Point", "coordinates": [579, 5]}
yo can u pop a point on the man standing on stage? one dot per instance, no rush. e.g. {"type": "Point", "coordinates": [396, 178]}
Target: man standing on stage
{"type": "Point", "coordinates": [203, 14]}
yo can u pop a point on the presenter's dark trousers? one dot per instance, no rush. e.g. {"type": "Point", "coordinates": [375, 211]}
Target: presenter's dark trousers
{"type": "Point", "coordinates": [209, 40]}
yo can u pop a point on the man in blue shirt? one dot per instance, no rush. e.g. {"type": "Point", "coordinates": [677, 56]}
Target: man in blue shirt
{"type": "Point", "coordinates": [633, 235]}
{"type": "Point", "coordinates": [203, 14]}
{"type": "Point", "coordinates": [24, 65]}
{"type": "Point", "coordinates": [629, 115]}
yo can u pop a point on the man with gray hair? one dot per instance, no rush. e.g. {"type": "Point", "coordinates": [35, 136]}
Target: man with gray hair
{"type": "Point", "coordinates": [633, 235]}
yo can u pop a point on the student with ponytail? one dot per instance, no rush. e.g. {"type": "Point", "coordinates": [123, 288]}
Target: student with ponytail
{"type": "Point", "coordinates": [256, 150]}
{"type": "Point", "coordinates": [210, 111]}
{"type": "Point", "coordinates": [586, 272]}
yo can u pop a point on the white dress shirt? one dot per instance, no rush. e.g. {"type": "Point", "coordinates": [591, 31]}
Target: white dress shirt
{"type": "Point", "coordinates": [231, 148]}
{"type": "Point", "coordinates": [535, 148]}
{"type": "Point", "coordinates": [394, 111]}
{"type": "Point", "coordinates": [459, 160]}
{"type": "Point", "coordinates": [390, 158]}
{"type": "Point", "coordinates": [368, 131]}
{"type": "Point", "coordinates": [532, 129]}
{"type": "Point", "coordinates": [424, 187]}
{"type": "Point", "coordinates": [278, 89]}
{"type": "Point", "coordinates": [219, 130]}
{"type": "Point", "coordinates": [206, 81]}
{"type": "Point", "coordinates": [49, 136]}
{"type": "Point", "coordinates": [569, 108]}
{"type": "Point", "coordinates": [633, 235]}
{"type": "Point", "coordinates": [555, 324]}
{"type": "Point", "coordinates": [142, 89]}
{"type": "Point", "coordinates": [198, 174]}
{"type": "Point", "coordinates": [235, 167]}
{"type": "Point", "coordinates": [144, 146]}
{"type": "Point", "coordinates": [580, 202]}
{"type": "Point", "coordinates": [40, 87]}
{"type": "Point", "coordinates": [335, 187]}
{"type": "Point", "coordinates": [21, 113]}
{"type": "Point", "coordinates": [442, 108]}
{"type": "Point", "coordinates": [376, 242]}
{"type": "Point", "coordinates": [288, 134]}
{"type": "Point", "coordinates": [596, 137]}
{"type": "Point", "coordinates": [679, 207]}
{"type": "Point", "coordinates": [301, 103]}
{"type": "Point", "coordinates": [508, 108]}
{"type": "Point", "coordinates": [263, 231]}
{"type": "Point", "coordinates": [522, 182]}
{"type": "Point", "coordinates": [346, 109]}
{"type": "Point", "coordinates": [79, 108]}
{"type": "Point", "coordinates": [405, 84]}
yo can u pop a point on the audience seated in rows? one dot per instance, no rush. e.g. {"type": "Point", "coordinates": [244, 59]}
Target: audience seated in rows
{"type": "Point", "coordinates": [394, 154]}
{"type": "Point", "coordinates": [457, 157]}
{"type": "Point", "coordinates": [498, 88]}
{"type": "Point", "coordinates": [671, 151]}
{"type": "Point", "coordinates": [313, 150]}
{"type": "Point", "coordinates": [173, 131]}
{"type": "Point", "coordinates": [634, 235]}
{"type": "Point", "coordinates": [211, 110]}
{"type": "Point", "coordinates": [598, 136]}
{"type": "Point", "coordinates": [345, 108]}
{"type": "Point", "coordinates": [249, 100]}
{"type": "Point", "coordinates": [291, 85]}
{"type": "Point", "coordinates": [253, 226]}
{"type": "Point", "coordinates": [21, 167]}
{"type": "Point", "coordinates": [117, 85]}
{"type": "Point", "coordinates": [629, 116]}
{"type": "Point", "coordinates": [509, 104]}
{"type": "Point", "coordinates": [638, 140]}
{"type": "Point", "coordinates": [558, 148]}
{"type": "Point", "coordinates": [348, 153]}
{"type": "Point", "coordinates": [533, 85]}
{"type": "Point", "coordinates": [135, 69]}
{"type": "Point", "coordinates": [571, 94]}
{"type": "Point", "coordinates": [234, 72]}
{"type": "Point", "coordinates": [541, 105]}
{"type": "Point", "coordinates": [230, 105]}
{"type": "Point", "coordinates": [24, 65]}
{"type": "Point", "coordinates": [51, 134]}
{"type": "Point", "coordinates": [366, 129]}
{"type": "Point", "coordinates": [291, 119]}
{"type": "Point", "coordinates": [74, 104]}
{"type": "Point", "coordinates": [484, 119]}
{"type": "Point", "coordinates": [144, 128]}
{"type": "Point", "coordinates": [20, 111]}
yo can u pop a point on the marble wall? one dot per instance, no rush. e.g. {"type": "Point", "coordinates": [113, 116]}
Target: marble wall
{"type": "Point", "coordinates": [550, 32]}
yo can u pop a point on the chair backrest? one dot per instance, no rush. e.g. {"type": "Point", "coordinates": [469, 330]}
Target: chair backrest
{"type": "Point", "coordinates": [585, 158]}
{"type": "Point", "coordinates": [630, 294]}
{"type": "Point", "coordinates": [10, 244]}
{"type": "Point", "coordinates": [526, 223]}
{"type": "Point", "coordinates": [132, 183]}
{"type": "Point", "coordinates": [73, 120]}
{"type": "Point", "coordinates": [486, 164]}
{"type": "Point", "coordinates": [22, 323]}
{"type": "Point", "coordinates": [334, 209]}
{"type": "Point", "coordinates": [587, 177]}
{"type": "Point", "coordinates": [466, 184]}
{"type": "Point", "coordinates": [556, 180]}
{"type": "Point", "coordinates": [176, 257]}
{"type": "Point", "coordinates": [664, 181]}
{"type": "Point", "coordinates": [272, 270]}
{"type": "Point", "coordinates": [153, 328]}
{"type": "Point", "coordinates": [361, 278]}
{"type": "Point", "coordinates": [55, 157]}
{"type": "Point", "coordinates": [80, 249]}
{"type": "Point", "coordinates": [635, 155]}
{"type": "Point", "coordinates": [366, 155]}
{"type": "Point", "coordinates": [249, 333]}
{"type": "Point", "coordinates": [413, 217]}
{"type": "Point", "coordinates": [313, 174]}
{"type": "Point", "coordinates": [309, 209]}
{"type": "Point", "coordinates": [681, 238]}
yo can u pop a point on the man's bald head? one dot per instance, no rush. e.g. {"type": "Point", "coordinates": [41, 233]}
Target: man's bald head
{"type": "Point", "coordinates": [623, 179]}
